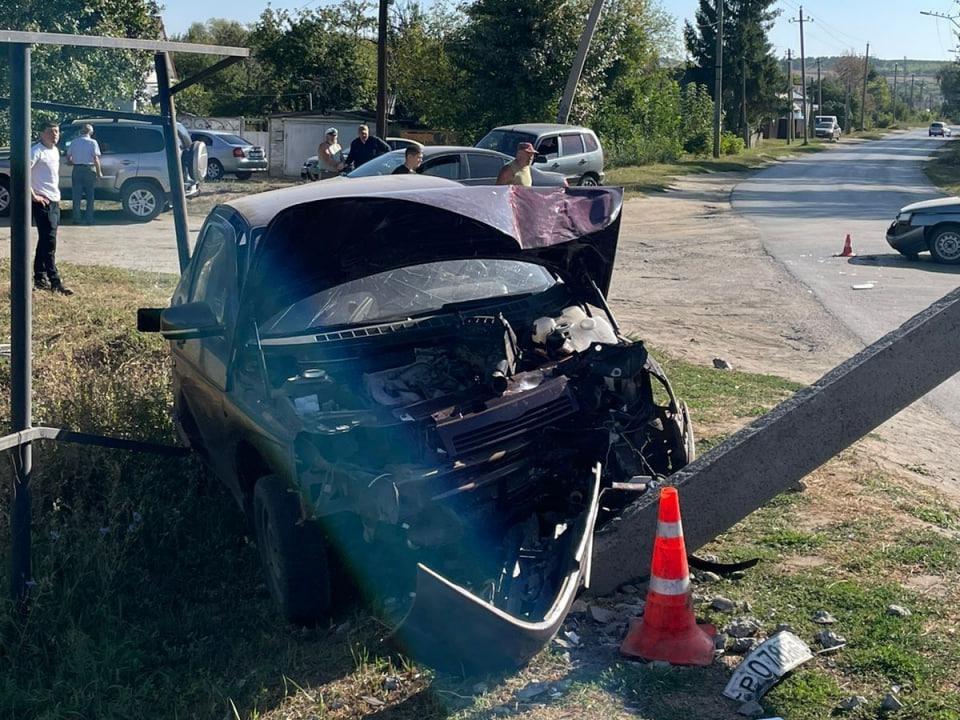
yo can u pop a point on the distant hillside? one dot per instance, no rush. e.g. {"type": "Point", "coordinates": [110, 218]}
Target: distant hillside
{"type": "Point", "coordinates": [884, 67]}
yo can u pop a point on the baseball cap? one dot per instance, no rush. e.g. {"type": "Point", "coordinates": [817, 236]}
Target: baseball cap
{"type": "Point", "coordinates": [525, 147]}
{"type": "Point", "coordinates": [331, 131]}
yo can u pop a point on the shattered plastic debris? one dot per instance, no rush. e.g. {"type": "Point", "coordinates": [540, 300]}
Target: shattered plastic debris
{"type": "Point", "coordinates": [531, 691]}
{"type": "Point", "coordinates": [764, 667]}
{"type": "Point", "coordinates": [830, 640]}
{"type": "Point", "coordinates": [863, 286]}
{"type": "Point", "coordinates": [852, 702]}
{"type": "Point", "coordinates": [822, 617]}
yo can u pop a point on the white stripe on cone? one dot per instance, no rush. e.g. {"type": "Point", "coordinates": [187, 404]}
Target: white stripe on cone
{"type": "Point", "coordinates": [662, 586]}
{"type": "Point", "coordinates": [670, 529]}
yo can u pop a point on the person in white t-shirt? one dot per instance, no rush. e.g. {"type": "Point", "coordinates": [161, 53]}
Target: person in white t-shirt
{"type": "Point", "coordinates": [45, 193]}
{"type": "Point", "coordinates": [84, 156]}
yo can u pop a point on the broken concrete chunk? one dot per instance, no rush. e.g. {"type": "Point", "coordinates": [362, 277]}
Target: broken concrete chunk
{"type": "Point", "coordinates": [572, 636]}
{"type": "Point", "coordinates": [898, 611]}
{"type": "Point", "coordinates": [891, 703]}
{"type": "Point", "coordinates": [741, 646]}
{"type": "Point", "coordinates": [391, 683]}
{"type": "Point", "coordinates": [784, 626]}
{"type": "Point", "coordinates": [721, 364]}
{"type": "Point", "coordinates": [829, 639]}
{"type": "Point", "coordinates": [631, 609]}
{"type": "Point", "coordinates": [743, 627]}
{"type": "Point", "coordinates": [480, 689]}
{"type": "Point", "coordinates": [751, 709]}
{"type": "Point", "coordinates": [603, 615]}
{"type": "Point", "coordinates": [822, 617]}
{"type": "Point", "coordinates": [722, 604]}
{"type": "Point", "coordinates": [852, 702]}
{"type": "Point", "coordinates": [531, 691]}
{"type": "Point", "coordinates": [630, 589]}
{"type": "Point", "coordinates": [720, 641]}
{"type": "Point", "coordinates": [579, 607]}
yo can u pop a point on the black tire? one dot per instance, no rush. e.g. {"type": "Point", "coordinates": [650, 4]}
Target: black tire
{"type": "Point", "coordinates": [910, 255]}
{"type": "Point", "coordinates": [293, 555]}
{"type": "Point", "coordinates": [945, 244]}
{"type": "Point", "coordinates": [244, 175]}
{"type": "Point", "coordinates": [589, 180]}
{"type": "Point", "coordinates": [214, 171]}
{"type": "Point", "coordinates": [4, 196]}
{"type": "Point", "coordinates": [142, 200]}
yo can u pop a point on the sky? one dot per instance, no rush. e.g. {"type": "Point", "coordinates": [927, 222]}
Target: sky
{"type": "Point", "coordinates": [894, 28]}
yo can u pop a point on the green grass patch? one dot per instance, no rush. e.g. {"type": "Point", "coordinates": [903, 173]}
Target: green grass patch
{"type": "Point", "coordinates": [657, 177]}
{"type": "Point", "coordinates": [944, 169]}
{"type": "Point", "coordinates": [926, 551]}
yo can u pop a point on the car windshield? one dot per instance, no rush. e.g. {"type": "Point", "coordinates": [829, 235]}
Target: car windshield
{"type": "Point", "coordinates": [383, 165]}
{"type": "Point", "coordinates": [826, 123]}
{"type": "Point", "coordinates": [234, 140]}
{"type": "Point", "coordinates": [410, 291]}
{"type": "Point", "coordinates": [505, 141]}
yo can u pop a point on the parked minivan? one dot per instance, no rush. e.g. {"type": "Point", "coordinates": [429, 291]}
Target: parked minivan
{"type": "Point", "coordinates": [570, 150]}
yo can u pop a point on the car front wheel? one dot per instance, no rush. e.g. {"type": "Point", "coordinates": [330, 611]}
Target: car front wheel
{"type": "Point", "coordinates": [142, 200]}
{"type": "Point", "coordinates": [292, 553]}
{"type": "Point", "coordinates": [4, 196]}
{"type": "Point", "coordinates": [945, 244]}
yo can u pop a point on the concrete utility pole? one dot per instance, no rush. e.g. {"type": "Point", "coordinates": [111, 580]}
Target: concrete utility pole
{"type": "Point", "coordinates": [863, 100]}
{"type": "Point", "coordinates": [718, 79]}
{"type": "Point", "coordinates": [803, 76]}
{"type": "Point", "coordinates": [913, 76]}
{"type": "Point", "coordinates": [743, 103]}
{"type": "Point", "coordinates": [789, 96]}
{"type": "Point", "coordinates": [895, 67]}
{"type": "Point", "coordinates": [846, 110]}
{"type": "Point", "coordinates": [819, 89]}
{"type": "Point", "coordinates": [382, 71]}
{"type": "Point", "coordinates": [570, 91]}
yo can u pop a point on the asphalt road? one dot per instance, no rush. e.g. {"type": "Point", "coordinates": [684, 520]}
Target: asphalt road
{"type": "Point", "coordinates": [804, 209]}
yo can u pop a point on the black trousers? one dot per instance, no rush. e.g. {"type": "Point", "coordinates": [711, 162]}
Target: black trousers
{"type": "Point", "coordinates": [47, 220]}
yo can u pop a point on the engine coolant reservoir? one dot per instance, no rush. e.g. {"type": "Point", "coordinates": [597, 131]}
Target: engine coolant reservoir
{"type": "Point", "coordinates": [573, 331]}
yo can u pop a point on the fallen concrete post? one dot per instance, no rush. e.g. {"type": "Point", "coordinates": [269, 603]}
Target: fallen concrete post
{"type": "Point", "coordinates": [798, 436]}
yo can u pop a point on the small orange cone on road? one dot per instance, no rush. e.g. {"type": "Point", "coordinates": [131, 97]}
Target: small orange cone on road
{"type": "Point", "coordinates": [847, 248]}
{"type": "Point", "coordinates": [668, 629]}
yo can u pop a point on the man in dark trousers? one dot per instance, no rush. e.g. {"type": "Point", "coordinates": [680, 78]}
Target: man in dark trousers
{"type": "Point", "coordinates": [366, 147]}
{"type": "Point", "coordinates": [45, 193]}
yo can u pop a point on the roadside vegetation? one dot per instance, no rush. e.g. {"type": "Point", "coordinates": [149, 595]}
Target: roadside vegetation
{"type": "Point", "coordinates": [943, 169]}
{"type": "Point", "coordinates": [149, 601]}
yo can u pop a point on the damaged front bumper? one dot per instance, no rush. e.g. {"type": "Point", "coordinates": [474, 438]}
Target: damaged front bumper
{"type": "Point", "coordinates": [450, 628]}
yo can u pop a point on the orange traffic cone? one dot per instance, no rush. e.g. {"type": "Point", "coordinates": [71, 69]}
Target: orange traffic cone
{"type": "Point", "coordinates": [668, 630]}
{"type": "Point", "coordinates": [847, 248]}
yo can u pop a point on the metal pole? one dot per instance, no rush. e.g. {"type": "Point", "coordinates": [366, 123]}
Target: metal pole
{"type": "Point", "coordinates": [819, 89]}
{"type": "Point", "coordinates": [718, 79]}
{"type": "Point", "coordinates": [382, 72]}
{"type": "Point", "coordinates": [863, 100]}
{"type": "Point", "coordinates": [913, 77]}
{"type": "Point", "coordinates": [896, 67]}
{"type": "Point", "coordinates": [570, 91]}
{"type": "Point", "coordinates": [803, 82]}
{"type": "Point", "coordinates": [21, 571]}
{"type": "Point", "coordinates": [789, 97]}
{"type": "Point", "coordinates": [743, 103]}
{"type": "Point", "coordinates": [178, 197]}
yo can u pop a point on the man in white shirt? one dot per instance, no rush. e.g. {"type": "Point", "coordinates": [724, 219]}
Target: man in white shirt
{"type": "Point", "coordinates": [84, 156]}
{"type": "Point", "coordinates": [45, 192]}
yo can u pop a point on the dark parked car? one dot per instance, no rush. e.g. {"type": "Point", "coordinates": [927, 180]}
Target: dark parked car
{"type": "Point", "coordinates": [466, 165]}
{"type": "Point", "coordinates": [939, 129]}
{"type": "Point", "coordinates": [421, 382]}
{"type": "Point", "coordinates": [932, 225]}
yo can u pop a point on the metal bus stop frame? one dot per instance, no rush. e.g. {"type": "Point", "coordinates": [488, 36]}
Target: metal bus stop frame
{"type": "Point", "coordinates": [19, 441]}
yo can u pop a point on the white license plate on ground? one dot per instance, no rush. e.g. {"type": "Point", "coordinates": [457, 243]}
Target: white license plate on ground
{"type": "Point", "coordinates": [763, 667]}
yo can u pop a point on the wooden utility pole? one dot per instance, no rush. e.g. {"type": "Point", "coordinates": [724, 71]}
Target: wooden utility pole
{"type": "Point", "coordinates": [819, 89]}
{"type": "Point", "coordinates": [743, 103]}
{"type": "Point", "coordinates": [863, 100]}
{"type": "Point", "coordinates": [913, 77]}
{"type": "Point", "coordinates": [789, 96]}
{"type": "Point", "coordinates": [803, 77]}
{"type": "Point", "coordinates": [895, 68]}
{"type": "Point", "coordinates": [566, 102]}
{"type": "Point", "coordinates": [718, 80]}
{"type": "Point", "coordinates": [846, 110]}
{"type": "Point", "coordinates": [382, 71]}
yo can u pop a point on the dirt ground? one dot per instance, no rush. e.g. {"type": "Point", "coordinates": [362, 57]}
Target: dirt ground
{"type": "Point", "coordinates": [693, 279]}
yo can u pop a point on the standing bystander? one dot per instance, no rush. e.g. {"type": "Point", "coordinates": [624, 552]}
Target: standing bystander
{"type": "Point", "coordinates": [330, 155]}
{"type": "Point", "coordinates": [84, 156]}
{"type": "Point", "coordinates": [517, 171]}
{"type": "Point", "coordinates": [412, 159]}
{"type": "Point", "coordinates": [366, 147]}
{"type": "Point", "coordinates": [45, 193]}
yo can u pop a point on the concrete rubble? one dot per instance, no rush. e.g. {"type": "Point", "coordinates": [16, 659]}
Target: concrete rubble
{"type": "Point", "coordinates": [822, 617]}
{"type": "Point", "coordinates": [852, 703]}
{"type": "Point", "coordinates": [743, 627]}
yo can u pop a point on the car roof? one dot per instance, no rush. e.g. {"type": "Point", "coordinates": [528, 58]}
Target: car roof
{"type": "Point", "coordinates": [260, 208]}
{"type": "Point", "coordinates": [542, 128]}
{"type": "Point", "coordinates": [432, 150]}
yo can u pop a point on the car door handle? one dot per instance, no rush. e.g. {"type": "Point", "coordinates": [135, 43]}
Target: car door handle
{"type": "Point", "coordinates": [582, 162]}
{"type": "Point", "coordinates": [127, 162]}
{"type": "Point", "coordinates": [555, 165]}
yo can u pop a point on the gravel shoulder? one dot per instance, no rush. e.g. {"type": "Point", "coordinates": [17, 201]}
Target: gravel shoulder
{"type": "Point", "coordinates": [693, 280]}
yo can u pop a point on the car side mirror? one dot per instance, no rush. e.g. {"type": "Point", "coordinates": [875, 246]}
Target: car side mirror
{"type": "Point", "coordinates": [539, 158]}
{"type": "Point", "coordinates": [148, 319]}
{"type": "Point", "coordinates": [190, 321]}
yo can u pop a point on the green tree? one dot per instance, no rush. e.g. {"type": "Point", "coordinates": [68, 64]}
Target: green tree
{"type": "Point", "coordinates": [747, 58]}
{"type": "Point", "coordinates": [91, 77]}
{"type": "Point", "coordinates": [948, 77]}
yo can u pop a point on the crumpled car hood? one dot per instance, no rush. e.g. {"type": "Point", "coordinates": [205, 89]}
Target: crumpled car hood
{"type": "Point", "coordinates": [313, 246]}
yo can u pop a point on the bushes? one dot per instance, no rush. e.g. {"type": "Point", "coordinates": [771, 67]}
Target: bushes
{"type": "Point", "coordinates": [731, 144]}
{"type": "Point", "coordinates": [696, 119]}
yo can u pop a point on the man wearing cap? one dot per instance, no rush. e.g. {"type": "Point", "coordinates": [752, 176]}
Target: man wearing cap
{"type": "Point", "coordinates": [84, 156]}
{"type": "Point", "coordinates": [517, 171]}
{"type": "Point", "coordinates": [330, 155]}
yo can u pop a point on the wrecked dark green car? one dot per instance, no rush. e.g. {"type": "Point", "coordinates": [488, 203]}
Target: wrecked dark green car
{"type": "Point", "coordinates": [417, 389]}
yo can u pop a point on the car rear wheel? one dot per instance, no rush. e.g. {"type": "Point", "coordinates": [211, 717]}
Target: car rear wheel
{"type": "Point", "coordinates": [945, 244]}
{"type": "Point", "coordinates": [244, 175]}
{"type": "Point", "coordinates": [292, 553]}
{"type": "Point", "coordinates": [589, 180]}
{"type": "Point", "coordinates": [4, 196]}
{"type": "Point", "coordinates": [142, 200]}
{"type": "Point", "coordinates": [214, 171]}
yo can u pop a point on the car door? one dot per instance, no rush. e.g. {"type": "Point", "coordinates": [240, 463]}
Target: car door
{"type": "Point", "coordinates": [483, 168]}
{"type": "Point", "coordinates": [119, 155]}
{"type": "Point", "coordinates": [213, 278]}
{"type": "Point", "coordinates": [448, 166]}
{"type": "Point", "coordinates": [572, 156]}
{"type": "Point", "coordinates": [549, 148]}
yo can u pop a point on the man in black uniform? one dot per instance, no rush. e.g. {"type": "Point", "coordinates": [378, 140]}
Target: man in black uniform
{"type": "Point", "coordinates": [366, 147]}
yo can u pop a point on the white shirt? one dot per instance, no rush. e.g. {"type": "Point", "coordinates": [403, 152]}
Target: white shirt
{"type": "Point", "coordinates": [45, 171]}
{"type": "Point", "coordinates": [84, 150]}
